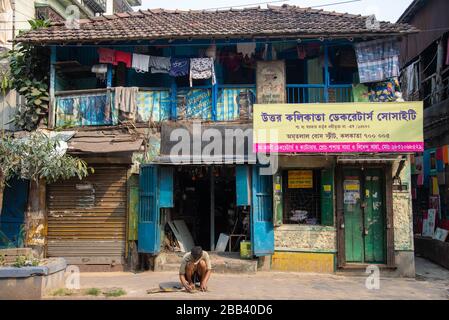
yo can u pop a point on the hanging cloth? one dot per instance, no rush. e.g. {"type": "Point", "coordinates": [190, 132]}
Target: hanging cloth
{"type": "Point", "coordinates": [124, 57]}
{"type": "Point", "coordinates": [446, 154]}
{"type": "Point", "coordinates": [302, 53]}
{"type": "Point", "coordinates": [246, 49]}
{"type": "Point", "coordinates": [141, 63]}
{"type": "Point", "coordinates": [107, 55]}
{"type": "Point", "coordinates": [447, 54]}
{"type": "Point", "coordinates": [100, 71]}
{"type": "Point", "coordinates": [179, 67]}
{"type": "Point", "coordinates": [377, 60]}
{"type": "Point", "coordinates": [160, 64]}
{"type": "Point", "coordinates": [202, 68]}
{"type": "Point", "coordinates": [126, 100]}
{"type": "Point", "coordinates": [411, 78]}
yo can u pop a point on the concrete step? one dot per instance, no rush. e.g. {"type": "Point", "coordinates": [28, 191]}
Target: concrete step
{"type": "Point", "coordinates": [174, 257]}
{"type": "Point", "coordinates": [221, 263]}
{"type": "Point", "coordinates": [174, 267]}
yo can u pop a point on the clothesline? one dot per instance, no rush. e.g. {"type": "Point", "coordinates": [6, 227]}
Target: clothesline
{"type": "Point", "coordinates": [197, 68]}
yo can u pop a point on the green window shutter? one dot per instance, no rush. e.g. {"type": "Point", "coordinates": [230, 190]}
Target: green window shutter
{"type": "Point", "coordinates": [327, 197]}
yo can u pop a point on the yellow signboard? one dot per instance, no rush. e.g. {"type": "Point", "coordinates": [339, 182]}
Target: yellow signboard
{"type": "Point", "coordinates": [300, 179]}
{"type": "Point", "coordinates": [339, 128]}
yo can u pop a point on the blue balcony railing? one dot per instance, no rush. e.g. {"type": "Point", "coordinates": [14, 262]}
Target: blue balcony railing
{"type": "Point", "coordinates": [317, 93]}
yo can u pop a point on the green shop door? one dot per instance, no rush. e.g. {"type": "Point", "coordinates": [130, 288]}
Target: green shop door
{"type": "Point", "coordinates": [364, 216]}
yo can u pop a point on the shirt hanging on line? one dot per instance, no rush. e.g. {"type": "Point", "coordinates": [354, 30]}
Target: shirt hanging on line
{"type": "Point", "coordinates": [141, 63]}
{"type": "Point", "coordinates": [179, 67]}
{"type": "Point", "coordinates": [160, 64]}
{"type": "Point", "coordinates": [202, 68]}
{"type": "Point", "coordinates": [124, 57]}
{"type": "Point", "coordinates": [106, 55]}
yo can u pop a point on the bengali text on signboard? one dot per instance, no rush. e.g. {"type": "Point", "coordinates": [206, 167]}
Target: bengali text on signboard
{"type": "Point", "coordinates": [339, 128]}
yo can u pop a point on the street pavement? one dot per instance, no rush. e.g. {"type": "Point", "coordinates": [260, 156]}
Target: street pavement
{"type": "Point", "coordinates": [431, 282]}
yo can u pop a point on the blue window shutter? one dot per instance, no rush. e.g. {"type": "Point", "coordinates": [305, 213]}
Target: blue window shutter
{"type": "Point", "coordinates": [262, 227]}
{"type": "Point", "coordinates": [166, 187]}
{"type": "Point", "coordinates": [242, 180]}
{"type": "Point", "coordinates": [149, 238]}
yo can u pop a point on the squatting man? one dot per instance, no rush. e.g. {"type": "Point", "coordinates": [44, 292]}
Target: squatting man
{"type": "Point", "coordinates": [195, 268]}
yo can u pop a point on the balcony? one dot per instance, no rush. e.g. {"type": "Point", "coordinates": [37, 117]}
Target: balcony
{"type": "Point", "coordinates": [304, 93]}
{"type": "Point", "coordinates": [224, 103]}
{"type": "Point", "coordinates": [97, 6]}
{"type": "Point", "coordinates": [96, 107]}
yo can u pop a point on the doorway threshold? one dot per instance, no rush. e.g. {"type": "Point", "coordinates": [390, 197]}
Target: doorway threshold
{"type": "Point", "coordinates": [222, 262]}
{"type": "Point", "coordinates": [360, 266]}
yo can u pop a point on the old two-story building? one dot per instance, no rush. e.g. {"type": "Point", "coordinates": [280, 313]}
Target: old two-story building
{"type": "Point", "coordinates": [425, 75]}
{"type": "Point", "coordinates": [167, 106]}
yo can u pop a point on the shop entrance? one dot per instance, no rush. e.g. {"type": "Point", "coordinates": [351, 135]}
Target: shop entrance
{"type": "Point", "coordinates": [364, 215]}
{"type": "Point", "coordinates": [205, 199]}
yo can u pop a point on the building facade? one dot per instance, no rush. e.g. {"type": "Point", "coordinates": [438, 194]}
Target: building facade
{"type": "Point", "coordinates": [425, 75]}
{"type": "Point", "coordinates": [58, 10]}
{"type": "Point", "coordinates": [167, 108]}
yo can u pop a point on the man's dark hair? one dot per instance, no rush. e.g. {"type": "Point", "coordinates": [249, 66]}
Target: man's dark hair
{"type": "Point", "coordinates": [197, 252]}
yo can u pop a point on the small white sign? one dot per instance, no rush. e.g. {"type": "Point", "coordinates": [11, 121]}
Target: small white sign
{"type": "Point", "coordinates": [441, 234]}
{"type": "Point", "coordinates": [428, 229]}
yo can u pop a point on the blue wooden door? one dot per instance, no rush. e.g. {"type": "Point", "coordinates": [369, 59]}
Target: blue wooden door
{"type": "Point", "coordinates": [15, 199]}
{"type": "Point", "coordinates": [149, 217]}
{"type": "Point", "coordinates": [262, 228]}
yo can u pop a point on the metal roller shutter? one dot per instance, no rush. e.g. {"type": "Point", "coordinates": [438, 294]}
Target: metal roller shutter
{"type": "Point", "coordinates": [87, 218]}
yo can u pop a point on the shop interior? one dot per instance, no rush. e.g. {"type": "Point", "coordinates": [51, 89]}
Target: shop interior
{"type": "Point", "coordinates": [205, 199]}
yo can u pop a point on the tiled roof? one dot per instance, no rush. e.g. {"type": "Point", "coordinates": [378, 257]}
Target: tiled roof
{"type": "Point", "coordinates": [280, 21]}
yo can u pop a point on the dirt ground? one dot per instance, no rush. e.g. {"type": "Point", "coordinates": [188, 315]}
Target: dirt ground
{"type": "Point", "coordinates": [432, 282]}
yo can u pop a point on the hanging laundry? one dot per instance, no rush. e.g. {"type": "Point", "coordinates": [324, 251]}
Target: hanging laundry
{"type": "Point", "coordinates": [100, 71]}
{"type": "Point", "coordinates": [313, 50]}
{"type": "Point", "coordinates": [439, 154]}
{"type": "Point", "coordinates": [435, 187]}
{"type": "Point", "coordinates": [141, 63]}
{"type": "Point", "coordinates": [446, 154]}
{"type": "Point", "coordinates": [411, 78]}
{"type": "Point", "coordinates": [269, 54]}
{"type": "Point", "coordinates": [160, 64]}
{"type": "Point", "coordinates": [126, 100]}
{"type": "Point", "coordinates": [202, 68]}
{"type": "Point", "coordinates": [441, 178]}
{"type": "Point", "coordinates": [388, 91]}
{"type": "Point", "coordinates": [377, 60]}
{"type": "Point", "coordinates": [100, 68]}
{"type": "Point", "coordinates": [211, 52]}
{"type": "Point", "coordinates": [106, 55]}
{"type": "Point", "coordinates": [360, 93]}
{"type": "Point", "coordinates": [447, 53]}
{"type": "Point", "coordinates": [246, 49]}
{"type": "Point", "coordinates": [124, 57]}
{"type": "Point", "coordinates": [440, 161]}
{"type": "Point", "coordinates": [426, 167]}
{"type": "Point", "coordinates": [420, 181]}
{"type": "Point", "coordinates": [302, 53]}
{"type": "Point", "coordinates": [179, 67]}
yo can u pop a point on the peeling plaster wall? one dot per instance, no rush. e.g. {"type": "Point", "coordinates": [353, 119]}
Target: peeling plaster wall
{"type": "Point", "coordinates": [402, 211]}
{"type": "Point", "coordinates": [36, 217]}
{"type": "Point", "coordinates": [305, 238]}
{"type": "Point", "coordinates": [403, 222]}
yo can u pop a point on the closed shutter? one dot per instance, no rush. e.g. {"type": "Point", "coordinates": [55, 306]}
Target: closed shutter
{"type": "Point", "coordinates": [87, 218]}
